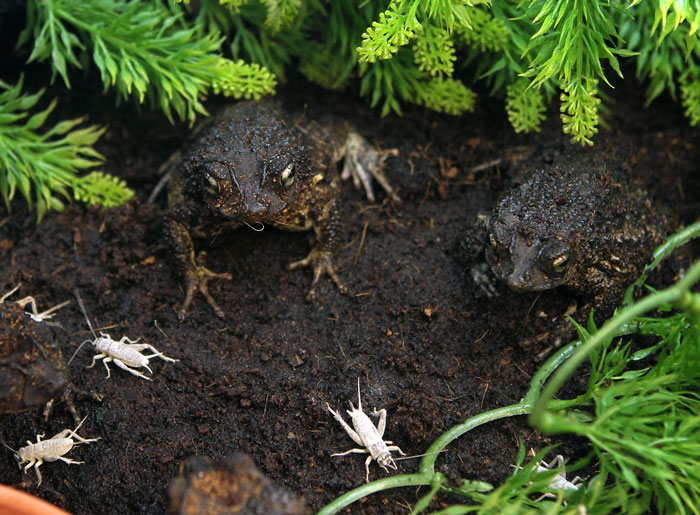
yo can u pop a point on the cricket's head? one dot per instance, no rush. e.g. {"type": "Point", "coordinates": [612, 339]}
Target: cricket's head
{"type": "Point", "coordinates": [352, 409]}
{"type": "Point", "coordinates": [23, 455]}
{"type": "Point", "coordinates": [385, 460]}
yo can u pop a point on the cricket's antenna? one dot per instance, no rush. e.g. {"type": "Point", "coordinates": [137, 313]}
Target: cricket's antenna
{"type": "Point", "coordinates": [359, 399]}
{"type": "Point", "coordinates": [76, 352]}
{"type": "Point", "coordinates": [419, 455]}
{"type": "Point", "coordinates": [2, 441]}
{"type": "Point", "coordinates": [81, 423]}
{"type": "Point", "coordinates": [82, 308]}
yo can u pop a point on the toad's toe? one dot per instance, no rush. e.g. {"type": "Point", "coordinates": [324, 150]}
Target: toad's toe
{"type": "Point", "coordinates": [322, 263]}
{"type": "Point", "coordinates": [197, 280]}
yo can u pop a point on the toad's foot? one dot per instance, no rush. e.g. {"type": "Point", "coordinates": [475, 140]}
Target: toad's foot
{"type": "Point", "coordinates": [484, 279]}
{"type": "Point", "coordinates": [363, 161]}
{"type": "Point", "coordinates": [197, 279]}
{"type": "Point", "coordinates": [321, 262]}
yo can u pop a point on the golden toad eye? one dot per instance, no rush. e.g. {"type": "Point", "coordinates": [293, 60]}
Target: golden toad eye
{"type": "Point", "coordinates": [210, 184]}
{"type": "Point", "coordinates": [492, 240]}
{"type": "Point", "coordinates": [555, 258]}
{"type": "Point", "coordinates": [559, 263]}
{"type": "Point", "coordinates": [287, 175]}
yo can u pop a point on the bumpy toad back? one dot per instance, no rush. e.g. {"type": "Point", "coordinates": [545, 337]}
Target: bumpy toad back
{"type": "Point", "coordinates": [584, 225]}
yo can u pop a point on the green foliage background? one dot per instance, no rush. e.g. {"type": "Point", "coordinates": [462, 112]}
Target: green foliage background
{"type": "Point", "coordinates": [171, 55]}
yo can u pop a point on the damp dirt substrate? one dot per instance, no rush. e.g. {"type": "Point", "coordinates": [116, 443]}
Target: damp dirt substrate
{"type": "Point", "coordinates": [426, 345]}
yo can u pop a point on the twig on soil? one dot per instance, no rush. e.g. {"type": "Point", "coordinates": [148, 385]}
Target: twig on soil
{"type": "Point", "coordinates": [362, 243]}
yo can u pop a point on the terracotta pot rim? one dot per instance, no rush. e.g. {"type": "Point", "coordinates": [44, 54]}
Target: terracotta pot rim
{"type": "Point", "coordinates": [17, 502]}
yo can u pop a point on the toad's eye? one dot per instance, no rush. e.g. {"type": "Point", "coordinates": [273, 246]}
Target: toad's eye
{"type": "Point", "coordinates": [558, 264]}
{"type": "Point", "coordinates": [210, 184]}
{"type": "Point", "coordinates": [555, 258]}
{"type": "Point", "coordinates": [492, 240]}
{"type": "Point", "coordinates": [288, 175]}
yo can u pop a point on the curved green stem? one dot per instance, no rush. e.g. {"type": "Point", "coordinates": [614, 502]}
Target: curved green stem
{"type": "Point", "coordinates": [662, 251]}
{"type": "Point", "coordinates": [373, 487]}
{"type": "Point", "coordinates": [427, 466]}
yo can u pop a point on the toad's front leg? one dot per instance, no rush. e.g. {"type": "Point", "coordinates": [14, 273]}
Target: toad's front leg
{"type": "Point", "coordinates": [195, 273]}
{"type": "Point", "coordinates": [327, 228]}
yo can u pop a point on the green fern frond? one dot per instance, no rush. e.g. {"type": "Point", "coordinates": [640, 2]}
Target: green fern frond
{"type": "Point", "coordinates": [434, 51]}
{"type": "Point", "coordinates": [253, 41]}
{"type": "Point", "coordinates": [404, 19]}
{"type": "Point", "coordinates": [447, 96]}
{"type": "Point", "coordinates": [690, 93]}
{"type": "Point", "coordinates": [395, 28]}
{"type": "Point", "coordinates": [238, 79]}
{"type": "Point", "coordinates": [281, 13]}
{"type": "Point", "coordinates": [502, 68]}
{"type": "Point", "coordinates": [322, 66]}
{"type": "Point", "coordinates": [572, 40]}
{"type": "Point", "coordinates": [660, 59]}
{"type": "Point", "coordinates": [41, 165]}
{"type": "Point", "coordinates": [234, 5]}
{"type": "Point", "coordinates": [525, 106]}
{"type": "Point", "coordinates": [451, 15]}
{"type": "Point", "coordinates": [391, 80]}
{"type": "Point", "coordinates": [669, 14]}
{"type": "Point", "coordinates": [579, 110]}
{"type": "Point", "coordinates": [99, 189]}
{"type": "Point", "coordinates": [145, 50]}
{"type": "Point", "coordinates": [331, 60]}
{"type": "Point", "coordinates": [487, 33]}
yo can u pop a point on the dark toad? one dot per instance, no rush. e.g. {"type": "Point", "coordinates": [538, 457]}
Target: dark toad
{"type": "Point", "coordinates": [255, 165]}
{"type": "Point", "coordinates": [581, 223]}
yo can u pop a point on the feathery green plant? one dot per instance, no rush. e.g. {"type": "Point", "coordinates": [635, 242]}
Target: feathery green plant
{"type": "Point", "coordinates": [431, 26]}
{"type": "Point", "coordinates": [45, 165]}
{"type": "Point", "coordinates": [144, 49]}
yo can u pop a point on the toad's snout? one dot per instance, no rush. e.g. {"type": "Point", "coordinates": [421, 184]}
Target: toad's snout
{"type": "Point", "coordinates": [520, 280]}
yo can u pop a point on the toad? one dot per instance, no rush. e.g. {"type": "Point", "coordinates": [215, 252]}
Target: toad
{"type": "Point", "coordinates": [256, 165]}
{"type": "Point", "coordinates": [581, 223]}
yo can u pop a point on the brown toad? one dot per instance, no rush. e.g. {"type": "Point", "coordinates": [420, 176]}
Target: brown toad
{"type": "Point", "coordinates": [255, 165]}
{"type": "Point", "coordinates": [580, 222]}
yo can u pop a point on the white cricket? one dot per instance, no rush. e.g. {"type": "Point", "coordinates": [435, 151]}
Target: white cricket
{"type": "Point", "coordinates": [35, 454]}
{"type": "Point", "coordinates": [368, 436]}
{"type": "Point", "coordinates": [559, 481]}
{"type": "Point", "coordinates": [34, 313]}
{"type": "Point", "coordinates": [124, 353]}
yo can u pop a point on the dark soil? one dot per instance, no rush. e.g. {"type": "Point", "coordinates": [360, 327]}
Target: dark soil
{"type": "Point", "coordinates": [423, 341]}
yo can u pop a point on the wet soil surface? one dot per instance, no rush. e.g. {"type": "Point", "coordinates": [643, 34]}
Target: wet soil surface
{"type": "Point", "coordinates": [426, 345]}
